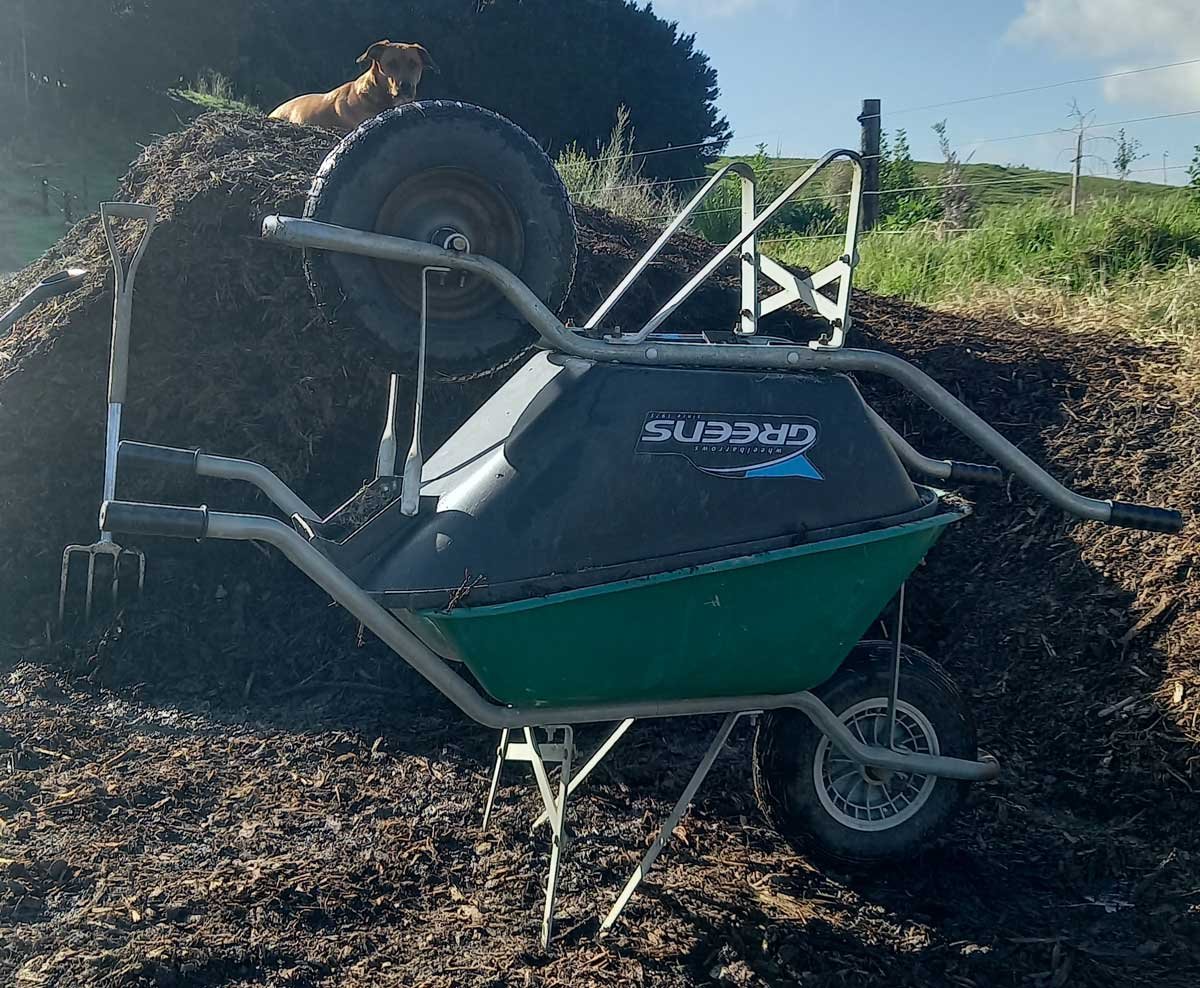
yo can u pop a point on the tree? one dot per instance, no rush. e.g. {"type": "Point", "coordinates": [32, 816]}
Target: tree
{"type": "Point", "coordinates": [559, 69]}
{"type": "Point", "coordinates": [904, 199]}
{"type": "Point", "coordinates": [1127, 154]}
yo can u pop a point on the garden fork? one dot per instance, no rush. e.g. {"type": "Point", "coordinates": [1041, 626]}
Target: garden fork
{"type": "Point", "coordinates": [120, 558]}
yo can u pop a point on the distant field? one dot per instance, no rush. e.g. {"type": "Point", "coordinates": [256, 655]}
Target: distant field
{"type": "Point", "coordinates": [1008, 185]}
{"type": "Point", "coordinates": [66, 161]}
{"type": "Point", "coordinates": [71, 156]}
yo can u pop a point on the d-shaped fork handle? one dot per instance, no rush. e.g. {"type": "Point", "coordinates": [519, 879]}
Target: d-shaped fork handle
{"type": "Point", "coordinates": [118, 367]}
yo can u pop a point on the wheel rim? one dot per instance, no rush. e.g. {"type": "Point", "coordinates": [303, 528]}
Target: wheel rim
{"type": "Point", "coordinates": [867, 799]}
{"type": "Point", "coordinates": [430, 207]}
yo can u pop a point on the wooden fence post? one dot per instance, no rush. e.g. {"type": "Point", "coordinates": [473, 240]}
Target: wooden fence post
{"type": "Point", "coordinates": [871, 133]}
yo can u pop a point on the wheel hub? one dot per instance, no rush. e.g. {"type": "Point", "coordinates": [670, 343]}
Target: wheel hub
{"type": "Point", "coordinates": [864, 798]}
{"type": "Point", "coordinates": [457, 210]}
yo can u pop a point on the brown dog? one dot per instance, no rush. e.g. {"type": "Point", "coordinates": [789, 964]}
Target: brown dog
{"type": "Point", "coordinates": [393, 74]}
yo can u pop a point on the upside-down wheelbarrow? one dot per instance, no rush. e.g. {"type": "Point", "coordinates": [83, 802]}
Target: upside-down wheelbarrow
{"type": "Point", "coordinates": [637, 524]}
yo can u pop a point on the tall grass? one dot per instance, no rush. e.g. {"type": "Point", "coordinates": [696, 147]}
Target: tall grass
{"type": "Point", "coordinates": [1112, 242]}
{"type": "Point", "coordinates": [214, 91]}
{"type": "Point", "coordinates": [612, 179]}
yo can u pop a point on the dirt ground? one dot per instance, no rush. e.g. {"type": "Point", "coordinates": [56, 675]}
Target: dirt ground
{"type": "Point", "coordinates": [229, 786]}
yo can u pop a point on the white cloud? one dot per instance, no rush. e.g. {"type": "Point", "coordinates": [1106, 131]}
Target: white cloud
{"type": "Point", "coordinates": [1130, 34]}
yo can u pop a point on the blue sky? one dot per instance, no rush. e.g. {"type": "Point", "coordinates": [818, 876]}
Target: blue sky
{"type": "Point", "coordinates": [793, 73]}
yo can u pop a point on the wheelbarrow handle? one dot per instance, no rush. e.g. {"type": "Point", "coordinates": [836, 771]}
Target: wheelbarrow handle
{"type": "Point", "coordinates": [974, 473]}
{"type": "Point", "coordinates": [1146, 517]}
{"type": "Point", "coordinates": [172, 521]}
{"type": "Point", "coordinates": [61, 283]}
{"type": "Point", "coordinates": [955, 471]}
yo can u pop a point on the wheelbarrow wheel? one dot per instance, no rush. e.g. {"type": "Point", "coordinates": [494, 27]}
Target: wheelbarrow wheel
{"type": "Point", "coordinates": [822, 802]}
{"type": "Point", "coordinates": [429, 171]}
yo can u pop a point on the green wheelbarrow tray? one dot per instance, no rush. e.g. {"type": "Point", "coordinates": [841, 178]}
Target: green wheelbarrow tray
{"type": "Point", "coordinates": [773, 622]}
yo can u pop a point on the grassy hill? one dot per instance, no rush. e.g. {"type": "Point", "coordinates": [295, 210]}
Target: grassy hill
{"type": "Point", "coordinates": [1007, 184]}
{"type": "Point", "coordinates": [83, 157]}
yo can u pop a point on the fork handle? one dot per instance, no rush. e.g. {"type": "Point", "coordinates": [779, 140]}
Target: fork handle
{"type": "Point", "coordinates": [118, 365]}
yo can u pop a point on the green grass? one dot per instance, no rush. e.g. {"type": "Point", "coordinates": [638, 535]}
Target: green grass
{"type": "Point", "coordinates": [24, 237]}
{"type": "Point", "coordinates": [1006, 184]}
{"type": "Point", "coordinates": [72, 154]}
{"type": "Point", "coordinates": [610, 180]}
{"type": "Point", "coordinates": [1111, 240]}
{"type": "Point", "coordinates": [68, 157]}
{"type": "Point", "coordinates": [213, 91]}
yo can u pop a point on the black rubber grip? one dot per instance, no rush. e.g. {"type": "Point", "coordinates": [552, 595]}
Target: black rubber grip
{"type": "Point", "coordinates": [975, 473]}
{"type": "Point", "coordinates": [1145, 517]}
{"type": "Point", "coordinates": [132, 518]}
{"type": "Point", "coordinates": [130, 454]}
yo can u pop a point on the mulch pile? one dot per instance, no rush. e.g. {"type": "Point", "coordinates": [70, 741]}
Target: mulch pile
{"type": "Point", "coordinates": [280, 802]}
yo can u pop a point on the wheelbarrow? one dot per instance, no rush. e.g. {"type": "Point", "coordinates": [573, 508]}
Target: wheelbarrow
{"type": "Point", "coordinates": [637, 524]}
{"type": "Point", "coordinates": [60, 283]}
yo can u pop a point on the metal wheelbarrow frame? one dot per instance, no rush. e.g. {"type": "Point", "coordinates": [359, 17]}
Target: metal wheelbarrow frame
{"type": "Point", "coordinates": [401, 631]}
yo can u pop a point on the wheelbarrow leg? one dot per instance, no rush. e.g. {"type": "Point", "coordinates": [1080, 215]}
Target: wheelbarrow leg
{"type": "Point", "coordinates": [501, 755]}
{"type": "Point", "coordinates": [599, 755]}
{"type": "Point", "coordinates": [672, 820]}
{"type": "Point", "coordinates": [557, 810]}
{"type": "Point", "coordinates": [537, 755]}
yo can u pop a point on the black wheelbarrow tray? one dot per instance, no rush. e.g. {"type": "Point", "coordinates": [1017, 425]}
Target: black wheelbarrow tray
{"type": "Point", "coordinates": [650, 525]}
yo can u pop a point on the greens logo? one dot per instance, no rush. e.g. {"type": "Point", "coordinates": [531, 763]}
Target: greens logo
{"type": "Point", "coordinates": [736, 446]}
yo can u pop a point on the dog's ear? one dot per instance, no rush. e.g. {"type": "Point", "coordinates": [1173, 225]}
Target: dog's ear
{"type": "Point", "coordinates": [427, 60]}
{"type": "Point", "coordinates": [372, 54]}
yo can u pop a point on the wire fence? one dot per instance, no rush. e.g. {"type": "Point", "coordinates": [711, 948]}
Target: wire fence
{"type": "Point", "coordinates": [672, 192]}
{"type": "Point", "coordinates": [665, 183]}
{"type": "Point", "coordinates": [70, 204]}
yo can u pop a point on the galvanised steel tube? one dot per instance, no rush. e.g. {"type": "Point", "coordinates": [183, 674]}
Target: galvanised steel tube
{"type": "Point", "coordinates": [323, 236]}
{"type": "Point", "coordinates": [910, 457]}
{"type": "Point", "coordinates": [231, 468]}
{"type": "Point", "coordinates": [341, 588]}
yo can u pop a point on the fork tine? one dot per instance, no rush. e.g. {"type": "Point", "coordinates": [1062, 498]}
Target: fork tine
{"type": "Point", "coordinates": [119, 558]}
{"type": "Point", "coordinates": [116, 575]}
{"type": "Point", "coordinates": [91, 581]}
{"type": "Point", "coordinates": [62, 583]}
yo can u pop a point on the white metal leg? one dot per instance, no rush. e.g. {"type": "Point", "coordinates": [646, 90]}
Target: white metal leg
{"type": "Point", "coordinates": [501, 755]}
{"type": "Point", "coordinates": [672, 820]}
{"type": "Point", "coordinates": [617, 733]}
{"type": "Point", "coordinates": [557, 810]}
{"type": "Point", "coordinates": [529, 750]}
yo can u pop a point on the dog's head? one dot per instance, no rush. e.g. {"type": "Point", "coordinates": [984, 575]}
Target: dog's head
{"type": "Point", "coordinates": [398, 67]}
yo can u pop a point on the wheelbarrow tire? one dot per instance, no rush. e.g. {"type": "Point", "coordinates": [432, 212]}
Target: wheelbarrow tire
{"type": "Point", "coordinates": [421, 171]}
{"type": "Point", "coordinates": [806, 791]}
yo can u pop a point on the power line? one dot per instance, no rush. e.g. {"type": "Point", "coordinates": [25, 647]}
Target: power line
{"type": "Point", "coordinates": [1102, 126]}
{"type": "Point", "coordinates": [955, 102]}
{"type": "Point", "coordinates": [1051, 85]}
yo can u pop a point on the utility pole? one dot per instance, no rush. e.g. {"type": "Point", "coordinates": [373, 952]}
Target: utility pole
{"type": "Point", "coordinates": [1082, 122]}
{"type": "Point", "coordinates": [871, 134]}
{"type": "Point", "coordinates": [1166, 181]}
